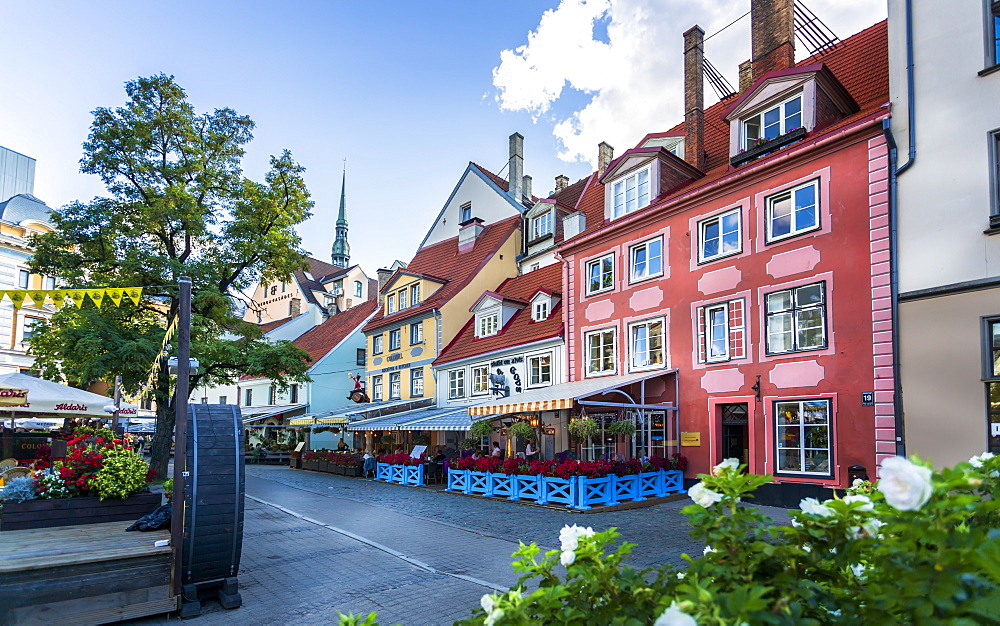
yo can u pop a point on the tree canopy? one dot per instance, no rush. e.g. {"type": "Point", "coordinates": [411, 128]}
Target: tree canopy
{"type": "Point", "coordinates": [177, 204]}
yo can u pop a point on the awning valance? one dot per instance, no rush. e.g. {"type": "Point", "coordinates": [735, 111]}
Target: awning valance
{"type": "Point", "coordinates": [560, 396]}
{"type": "Point", "coordinates": [358, 412]}
{"type": "Point", "coordinates": [434, 418]}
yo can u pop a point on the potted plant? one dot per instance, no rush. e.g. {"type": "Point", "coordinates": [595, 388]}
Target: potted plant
{"type": "Point", "coordinates": [522, 430]}
{"type": "Point", "coordinates": [621, 427]}
{"type": "Point", "coordinates": [480, 430]}
{"type": "Point", "coordinates": [583, 428]}
{"type": "Point", "coordinates": [468, 444]}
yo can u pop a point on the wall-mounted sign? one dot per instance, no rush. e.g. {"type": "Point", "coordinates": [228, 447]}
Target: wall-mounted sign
{"type": "Point", "coordinates": [995, 429]}
{"type": "Point", "coordinates": [690, 439]}
{"type": "Point", "coordinates": [510, 361]}
{"type": "Point", "coordinates": [868, 398]}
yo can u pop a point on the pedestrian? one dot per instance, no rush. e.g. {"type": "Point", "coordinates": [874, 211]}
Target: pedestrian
{"type": "Point", "coordinates": [529, 451]}
{"type": "Point", "coordinates": [496, 449]}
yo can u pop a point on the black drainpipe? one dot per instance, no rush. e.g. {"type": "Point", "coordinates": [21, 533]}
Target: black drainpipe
{"type": "Point", "coordinates": [894, 172]}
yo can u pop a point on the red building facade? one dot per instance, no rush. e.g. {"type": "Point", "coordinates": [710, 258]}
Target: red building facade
{"type": "Point", "coordinates": [755, 268]}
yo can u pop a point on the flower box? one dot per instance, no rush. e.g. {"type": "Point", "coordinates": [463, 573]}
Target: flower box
{"type": "Point", "coordinates": [310, 465]}
{"type": "Point", "coordinates": [650, 484]}
{"type": "Point", "coordinates": [458, 480]}
{"type": "Point", "coordinates": [382, 471]}
{"type": "Point", "coordinates": [503, 485]}
{"type": "Point", "coordinates": [413, 475]}
{"type": "Point", "coordinates": [354, 470]}
{"type": "Point", "coordinates": [557, 491]}
{"type": "Point", "coordinates": [527, 487]}
{"type": "Point", "coordinates": [673, 481]}
{"type": "Point", "coordinates": [479, 482]}
{"type": "Point", "coordinates": [295, 462]}
{"type": "Point", "coordinates": [397, 474]}
{"type": "Point", "coordinates": [768, 146]}
{"type": "Point", "coordinates": [626, 489]}
{"type": "Point", "coordinates": [600, 491]}
{"type": "Point", "coordinates": [74, 511]}
{"type": "Point", "coordinates": [339, 469]}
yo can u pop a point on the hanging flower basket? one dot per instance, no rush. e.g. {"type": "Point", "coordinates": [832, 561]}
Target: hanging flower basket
{"type": "Point", "coordinates": [621, 427]}
{"type": "Point", "coordinates": [522, 430]}
{"type": "Point", "coordinates": [583, 429]}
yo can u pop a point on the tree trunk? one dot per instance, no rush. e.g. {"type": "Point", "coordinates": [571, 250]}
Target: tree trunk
{"type": "Point", "coordinates": [162, 440]}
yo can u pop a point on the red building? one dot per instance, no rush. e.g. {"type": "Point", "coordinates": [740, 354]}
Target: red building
{"type": "Point", "coordinates": [745, 252]}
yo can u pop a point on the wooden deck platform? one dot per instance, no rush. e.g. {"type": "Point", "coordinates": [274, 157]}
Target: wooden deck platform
{"type": "Point", "coordinates": [86, 574]}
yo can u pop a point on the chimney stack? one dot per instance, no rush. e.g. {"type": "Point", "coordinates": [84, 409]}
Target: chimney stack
{"type": "Point", "coordinates": [746, 75]}
{"type": "Point", "coordinates": [526, 185]}
{"type": "Point", "coordinates": [694, 97]}
{"type": "Point", "coordinates": [605, 155]}
{"type": "Point", "coordinates": [384, 274]}
{"type": "Point", "coordinates": [772, 33]}
{"type": "Point", "coordinates": [515, 169]}
{"type": "Point", "coordinates": [468, 233]}
{"type": "Point", "coordinates": [562, 182]}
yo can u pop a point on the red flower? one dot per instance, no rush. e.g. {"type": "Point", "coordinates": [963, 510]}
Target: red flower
{"type": "Point", "coordinates": [487, 464]}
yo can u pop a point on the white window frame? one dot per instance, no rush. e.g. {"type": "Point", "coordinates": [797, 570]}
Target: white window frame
{"type": "Point", "coordinates": [487, 324]}
{"type": "Point", "coordinates": [633, 251]}
{"type": "Point", "coordinates": [415, 294]}
{"type": "Point", "coordinates": [377, 388]}
{"type": "Point", "coordinates": [794, 314]}
{"type": "Point", "coordinates": [377, 344]}
{"type": "Point", "coordinates": [642, 191]}
{"type": "Point", "coordinates": [480, 380]}
{"type": "Point", "coordinates": [599, 263]}
{"type": "Point", "coordinates": [465, 212]}
{"type": "Point", "coordinates": [784, 124]}
{"type": "Point", "coordinates": [719, 220]}
{"type": "Point", "coordinates": [357, 288]}
{"type": "Point", "coordinates": [607, 337]}
{"type": "Point", "coordinates": [781, 406]}
{"type": "Point", "coordinates": [395, 339]}
{"type": "Point", "coordinates": [390, 303]}
{"type": "Point", "coordinates": [248, 397]}
{"type": "Point", "coordinates": [23, 279]}
{"type": "Point", "coordinates": [711, 328]}
{"type": "Point", "coordinates": [539, 374]}
{"type": "Point", "coordinates": [540, 311]}
{"type": "Point", "coordinates": [641, 358]}
{"type": "Point", "coordinates": [416, 382]}
{"type": "Point", "coordinates": [416, 333]}
{"type": "Point", "coordinates": [790, 195]}
{"type": "Point", "coordinates": [50, 282]}
{"type": "Point", "coordinates": [395, 383]}
{"type": "Point", "coordinates": [541, 225]}
{"type": "Point", "coordinates": [456, 384]}
{"type": "Point", "coordinates": [27, 331]}
{"type": "Point", "coordinates": [402, 299]}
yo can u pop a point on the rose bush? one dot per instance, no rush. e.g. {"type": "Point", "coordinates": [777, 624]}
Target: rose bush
{"type": "Point", "coordinates": [895, 554]}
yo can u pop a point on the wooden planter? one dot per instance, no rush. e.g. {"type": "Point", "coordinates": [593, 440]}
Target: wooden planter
{"type": "Point", "coordinates": [73, 511]}
{"type": "Point", "coordinates": [339, 469]}
{"type": "Point", "coordinates": [354, 470]}
{"type": "Point", "coordinates": [310, 465]}
{"type": "Point", "coordinates": [295, 463]}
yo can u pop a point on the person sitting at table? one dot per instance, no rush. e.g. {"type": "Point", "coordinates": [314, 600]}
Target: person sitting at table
{"type": "Point", "coordinates": [440, 456]}
{"type": "Point", "coordinates": [476, 456]}
{"type": "Point", "coordinates": [496, 449]}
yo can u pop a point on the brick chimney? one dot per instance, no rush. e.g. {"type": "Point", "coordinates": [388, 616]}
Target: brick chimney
{"type": "Point", "coordinates": [746, 75]}
{"type": "Point", "coordinates": [562, 182]}
{"type": "Point", "coordinates": [294, 307]}
{"type": "Point", "coordinates": [384, 274]}
{"type": "Point", "coordinates": [772, 34]}
{"type": "Point", "coordinates": [515, 168]}
{"type": "Point", "coordinates": [605, 155]}
{"type": "Point", "coordinates": [694, 97]}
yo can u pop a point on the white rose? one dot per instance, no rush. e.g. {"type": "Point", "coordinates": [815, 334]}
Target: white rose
{"type": "Point", "coordinates": [493, 617]}
{"type": "Point", "coordinates": [487, 603]}
{"type": "Point", "coordinates": [868, 529]}
{"type": "Point", "coordinates": [703, 495]}
{"type": "Point", "coordinates": [569, 536]}
{"type": "Point", "coordinates": [567, 557]}
{"type": "Point", "coordinates": [681, 575]}
{"type": "Point", "coordinates": [674, 616]}
{"type": "Point", "coordinates": [726, 466]}
{"type": "Point", "coordinates": [813, 507]}
{"type": "Point", "coordinates": [867, 503]}
{"type": "Point", "coordinates": [905, 485]}
{"type": "Point", "coordinates": [708, 549]}
{"type": "Point", "coordinates": [977, 461]}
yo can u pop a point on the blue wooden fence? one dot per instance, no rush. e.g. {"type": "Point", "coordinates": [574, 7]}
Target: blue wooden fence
{"type": "Point", "coordinates": [412, 475]}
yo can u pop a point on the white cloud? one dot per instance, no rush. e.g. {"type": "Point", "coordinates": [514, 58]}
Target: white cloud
{"type": "Point", "coordinates": [636, 79]}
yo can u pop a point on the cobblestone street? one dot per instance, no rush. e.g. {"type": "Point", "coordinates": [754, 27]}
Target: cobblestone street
{"type": "Point", "coordinates": [316, 544]}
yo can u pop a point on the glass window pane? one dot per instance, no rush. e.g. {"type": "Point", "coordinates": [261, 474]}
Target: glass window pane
{"type": "Point", "coordinates": [805, 208]}
{"type": "Point", "coordinates": [730, 232]}
{"type": "Point", "coordinates": [793, 114]}
{"type": "Point", "coordinates": [639, 262]}
{"type": "Point", "coordinates": [789, 461]}
{"type": "Point", "coordinates": [779, 301]}
{"type": "Point", "coordinates": [816, 412]}
{"type": "Point", "coordinates": [619, 198]}
{"type": "Point", "coordinates": [817, 461]}
{"type": "Point", "coordinates": [810, 294]}
{"type": "Point", "coordinates": [751, 129]}
{"type": "Point", "coordinates": [787, 412]}
{"type": "Point", "coordinates": [792, 122]}
{"type": "Point", "coordinates": [654, 250]}
{"type": "Point", "coordinates": [607, 269]}
{"type": "Point", "coordinates": [772, 123]}
{"type": "Point", "coordinates": [781, 216]}
{"type": "Point", "coordinates": [710, 245]}
{"type": "Point", "coordinates": [643, 188]}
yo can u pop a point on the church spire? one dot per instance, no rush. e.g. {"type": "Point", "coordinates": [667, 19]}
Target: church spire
{"type": "Point", "coordinates": [341, 250]}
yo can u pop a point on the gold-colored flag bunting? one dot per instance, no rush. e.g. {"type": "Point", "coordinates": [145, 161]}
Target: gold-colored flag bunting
{"type": "Point", "coordinates": [57, 297]}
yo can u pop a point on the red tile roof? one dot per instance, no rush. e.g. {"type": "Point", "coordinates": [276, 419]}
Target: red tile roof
{"type": "Point", "coordinates": [500, 182]}
{"type": "Point", "coordinates": [444, 260]}
{"type": "Point", "coordinates": [322, 338]}
{"type": "Point", "coordinates": [269, 326]}
{"type": "Point", "coordinates": [860, 63]}
{"type": "Point", "coordinates": [520, 329]}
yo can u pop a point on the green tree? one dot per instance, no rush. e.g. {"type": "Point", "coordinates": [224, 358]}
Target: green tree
{"type": "Point", "coordinates": [177, 204]}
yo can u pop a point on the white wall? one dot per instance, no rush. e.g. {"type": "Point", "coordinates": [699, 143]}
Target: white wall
{"type": "Point", "coordinates": [488, 203]}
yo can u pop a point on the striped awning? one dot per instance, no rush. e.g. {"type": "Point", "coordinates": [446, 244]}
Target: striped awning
{"type": "Point", "coordinates": [357, 412]}
{"type": "Point", "coordinates": [256, 413]}
{"type": "Point", "coordinates": [561, 396]}
{"type": "Point", "coordinates": [433, 418]}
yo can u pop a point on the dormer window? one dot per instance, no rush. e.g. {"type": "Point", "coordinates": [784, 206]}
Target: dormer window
{"type": "Point", "coordinates": [540, 311]}
{"type": "Point", "coordinates": [630, 192]}
{"type": "Point", "coordinates": [415, 294]}
{"type": "Point", "coordinates": [488, 325]}
{"type": "Point", "coordinates": [541, 225]}
{"type": "Point", "coordinates": [390, 303]}
{"type": "Point", "coordinates": [402, 299]}
{"type": "Point", "coordinates": [773, 122]}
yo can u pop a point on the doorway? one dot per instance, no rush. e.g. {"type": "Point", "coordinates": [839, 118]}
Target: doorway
{"type": "Point", "coordinates": [735, 431]}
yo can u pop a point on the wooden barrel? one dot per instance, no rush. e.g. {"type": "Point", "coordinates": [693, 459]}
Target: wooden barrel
{"type": "Point", "coordinates": [213, 524]}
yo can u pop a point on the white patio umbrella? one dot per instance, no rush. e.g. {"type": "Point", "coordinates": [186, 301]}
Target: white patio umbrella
{"type": "Point", "coordinates": [48, 397]}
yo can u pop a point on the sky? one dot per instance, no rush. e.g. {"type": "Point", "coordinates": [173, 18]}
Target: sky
{"type": "Point", "coordinates": [407, 92]}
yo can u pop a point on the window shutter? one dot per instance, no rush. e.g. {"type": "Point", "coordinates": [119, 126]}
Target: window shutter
{"type": "Point", "coordinates": [737, 339]}
{"type": "Point", "coordinates": [702, 350]}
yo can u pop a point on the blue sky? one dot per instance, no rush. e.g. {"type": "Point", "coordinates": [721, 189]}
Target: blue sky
{"type": "Point", "coordinates": [409, 92]}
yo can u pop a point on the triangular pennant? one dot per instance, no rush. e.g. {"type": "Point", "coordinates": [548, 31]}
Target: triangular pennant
{"type": "Point", "coordinates": [115, 295]}
{"type": "Point", "coordinates": [17, 297]}
{"type": "Point", "coordinates": [37, 298]}
{"type": "Point", "coordinates": [96, 296]}
{"type": "Point", "coordinates": [133, 294]}
{"type": "Point", "coordinates": [77, 295]}
{"type": "Point", "coordinates": [58, 297]}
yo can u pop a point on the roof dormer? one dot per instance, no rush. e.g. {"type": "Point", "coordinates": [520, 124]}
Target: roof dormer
{"type": "Point", "coordinates": [640, 175]}
{"type": "Point", "coordinates": [492, 312]}
{"type": "Point", "coordinates": [782, 107]}
{"type": "Point", "coordinates": [542, 305]}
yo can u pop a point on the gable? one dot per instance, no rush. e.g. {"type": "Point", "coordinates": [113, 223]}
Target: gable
{"type": "Point", "coordinates": [489, 202]}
